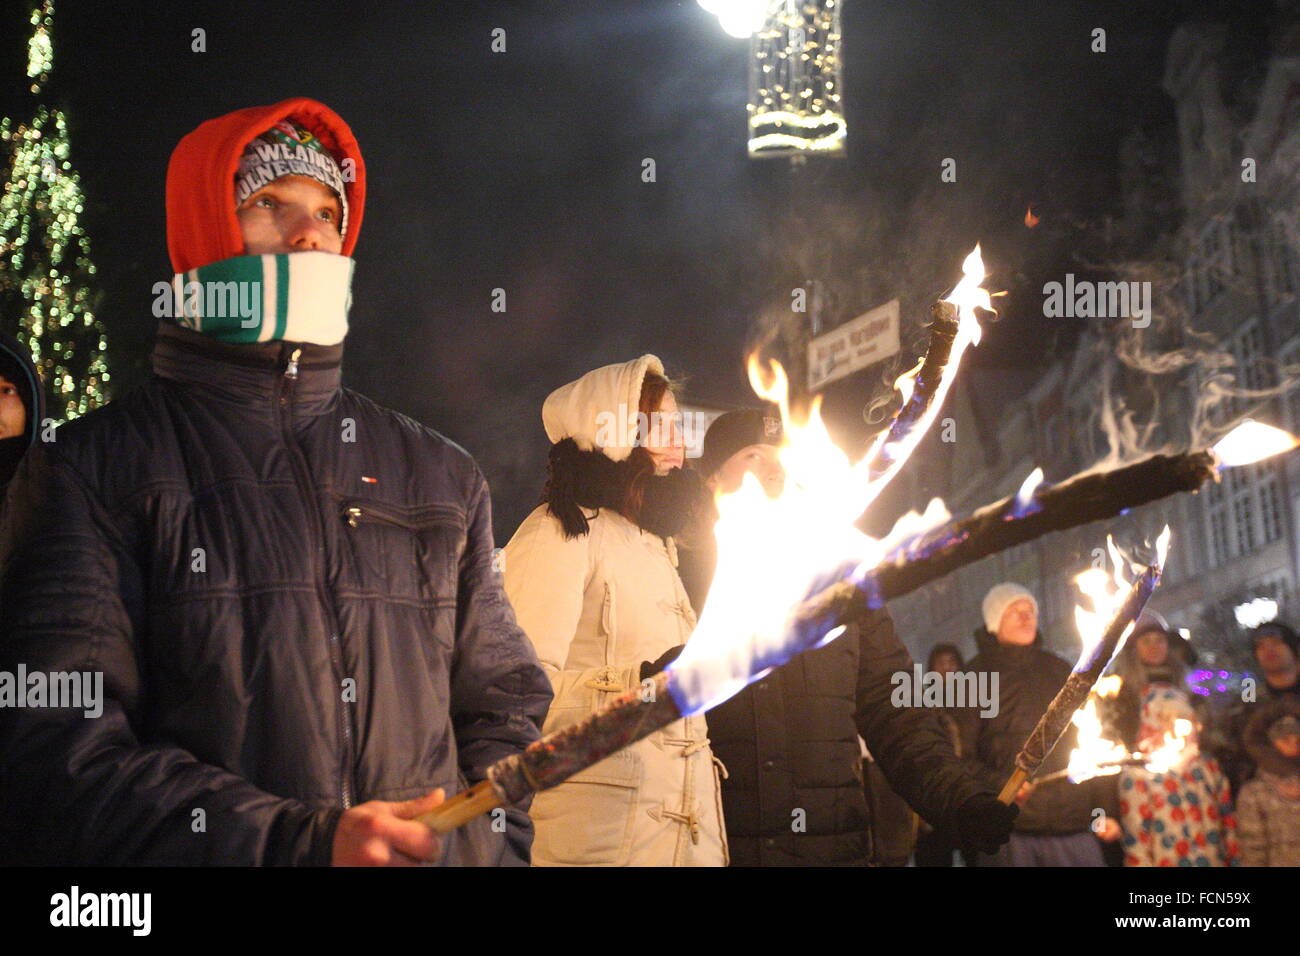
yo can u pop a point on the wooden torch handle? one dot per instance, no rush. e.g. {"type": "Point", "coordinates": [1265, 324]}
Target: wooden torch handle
{"type": "Point", "coordinates": [462, 808]}
{"type": "Point", "coordinates": [1012, 786]}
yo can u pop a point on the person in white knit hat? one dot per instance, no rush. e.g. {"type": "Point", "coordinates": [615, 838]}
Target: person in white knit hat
{"type": "Point", "coordinates": [1055, 825]}
{"type": "Point", "coordinates": [1021, 627]}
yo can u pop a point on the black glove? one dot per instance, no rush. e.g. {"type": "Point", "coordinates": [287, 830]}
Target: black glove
{"type": "Point", "coordinates": [984, 823]}
{"type": "Point", "coordinates": [650, 668]}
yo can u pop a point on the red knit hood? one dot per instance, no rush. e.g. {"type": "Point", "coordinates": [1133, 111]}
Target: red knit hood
{"type": "Point", "coordinates": [201, 223]}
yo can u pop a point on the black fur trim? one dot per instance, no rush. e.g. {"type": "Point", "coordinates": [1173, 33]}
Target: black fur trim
{"type": "Point", "coordinates": [578, 480]}
{"type": "Point", "coordinates": [1257, 742]}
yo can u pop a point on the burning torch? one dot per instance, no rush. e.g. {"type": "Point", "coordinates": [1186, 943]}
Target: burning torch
{"type": "Point", "coordinates": [788, 542]}
{"type": "Point", "coordinates": [1097, 654]}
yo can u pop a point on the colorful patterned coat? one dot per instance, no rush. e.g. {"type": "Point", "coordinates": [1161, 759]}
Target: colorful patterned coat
{"type": "Point", "coordinates": [1183, 817]}
{"type": "Point", "coordinates": [1180, 818]}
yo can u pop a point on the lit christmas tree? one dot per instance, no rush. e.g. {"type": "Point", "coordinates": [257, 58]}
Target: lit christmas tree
{"type": "Point", "coordinates": [46, 296]}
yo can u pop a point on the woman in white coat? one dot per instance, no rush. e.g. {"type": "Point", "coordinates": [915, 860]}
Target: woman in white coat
{"type": "Point", "coordinates": [592, 577]}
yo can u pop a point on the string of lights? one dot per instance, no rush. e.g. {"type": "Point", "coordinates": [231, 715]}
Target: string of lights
{"type": "Point", "coordinates": [46, 274]}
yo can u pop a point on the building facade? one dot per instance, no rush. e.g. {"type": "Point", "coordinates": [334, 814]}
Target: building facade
{"type": "Point", "coordinates": [1224, 344]}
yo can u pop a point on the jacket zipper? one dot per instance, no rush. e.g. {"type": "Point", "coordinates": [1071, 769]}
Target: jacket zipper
{"type": "Point", "coordinates": [283, 408]}
{"type": "Point", "coordinates": [231, 355]}
{"type": "Point", "coordinates": [355, 513]}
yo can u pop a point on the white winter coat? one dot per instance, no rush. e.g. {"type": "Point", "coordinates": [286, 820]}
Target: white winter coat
{"type": "Point", "coordinates": [595, 607]}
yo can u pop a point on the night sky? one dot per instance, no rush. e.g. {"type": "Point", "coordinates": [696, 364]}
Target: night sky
{"type": "Point", "coordinates": [522, 171]}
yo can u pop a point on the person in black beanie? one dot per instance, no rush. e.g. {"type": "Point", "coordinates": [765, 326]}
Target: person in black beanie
{"type": "Point", "coordinates": [1276, 649]}
{"type": "Point", "coordinates": [21, 406]}
{"type": "Point", "coordinates": [793, 794]}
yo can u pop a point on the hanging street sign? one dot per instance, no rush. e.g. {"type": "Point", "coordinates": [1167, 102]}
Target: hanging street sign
{"type": "Point", "coordinates": [860, 342]}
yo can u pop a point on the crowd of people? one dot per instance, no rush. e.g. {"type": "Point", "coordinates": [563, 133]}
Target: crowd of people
{"type": "Point", "coordinates": [1205, 784]}
{"type": "Point", "coordinates": [308, 640]}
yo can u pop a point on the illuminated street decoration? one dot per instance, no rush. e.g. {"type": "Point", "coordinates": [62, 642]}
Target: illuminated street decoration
{"type": "Point", "coordinates": [795, 81]}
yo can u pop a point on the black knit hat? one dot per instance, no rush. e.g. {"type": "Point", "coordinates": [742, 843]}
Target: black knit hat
{"type": "Point", "coordinates": [733, 431]}
{"type": "Point", "coordinates": [1276, 629]}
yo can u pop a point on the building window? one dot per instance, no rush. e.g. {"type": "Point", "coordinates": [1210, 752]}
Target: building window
{"type": "Point", "coordinates": [1270, 503]}
{"type": "Point", "coordinates": [1243, 521]}
{"type": "Point", "coordinates": [1188, 284]}
{"type": "Point", "coordinates": [1282, 256]}
{"type": "Point", "coordinates": [1212, 263]}
{"type": "Point", "coordinates": [1219, 538]}
{"type": "Point", "coordinates": [1251, 369]}
{"type": "Point", "coordinates": [1216, 506]}
{"type": "Point", "coordinates": [1245, 511]}
{"type": "Point", "coordinates": [1249, 350]}
{"type": "Point", "coordinates": [1290, 356]}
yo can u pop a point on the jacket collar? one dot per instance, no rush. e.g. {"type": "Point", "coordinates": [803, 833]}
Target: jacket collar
{"type": "Point", "coordinates": [249, 374]}
{"type": "Point", "coordinates": [1009, 656]}
{"type": "Point", "coordinates": [986, 643]}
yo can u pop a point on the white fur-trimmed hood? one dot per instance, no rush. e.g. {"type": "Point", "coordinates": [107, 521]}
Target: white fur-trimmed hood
{"type": "Point", "coordinates": [599, 410]}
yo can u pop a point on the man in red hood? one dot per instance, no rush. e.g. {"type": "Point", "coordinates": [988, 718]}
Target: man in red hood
{"type": "Point", "coordinates": [290, 591]}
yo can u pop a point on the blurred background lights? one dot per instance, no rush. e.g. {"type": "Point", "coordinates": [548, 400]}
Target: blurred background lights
{"type": "Point", "coordinates": [1256, 612]}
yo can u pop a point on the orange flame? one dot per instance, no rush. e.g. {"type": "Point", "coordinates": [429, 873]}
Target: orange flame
{"type": "Point", "coordinates": [1107, 593]}
{"type": "Point", "coordinates": [1030, 219]}
{"type": "Point", "coordinates": [773, 550]}
{"type": "Point", "coordinates": [905, 384]}
{"type": "Point", "coordinates": [1253, 441]}
{"type": "Point", "coordinates": [1173, 750]}
{"type": "Point", "coordinates": [1095, 754]}
{"type": "Point", "coordinates": [969, 299]}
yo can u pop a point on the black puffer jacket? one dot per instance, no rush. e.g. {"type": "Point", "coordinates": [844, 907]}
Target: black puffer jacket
{"type": "Point", "coordinates": [290, 593]}
{"type": "Point", "coordinates": [790, 744]}
{"type": "Point", "coordinates": [1028, 679]}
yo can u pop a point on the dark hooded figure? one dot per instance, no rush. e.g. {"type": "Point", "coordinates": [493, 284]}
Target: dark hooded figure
{"type": "Point", "coordinates": [22, 406]}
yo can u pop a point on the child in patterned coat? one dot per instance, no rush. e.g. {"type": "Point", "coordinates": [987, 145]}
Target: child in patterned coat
{"type": "Point", "coordinates": [1176, 810]}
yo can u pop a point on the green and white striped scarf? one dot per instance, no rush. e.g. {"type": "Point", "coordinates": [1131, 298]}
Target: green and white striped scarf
{"type": "Point", "coordinates": [295, 297]}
